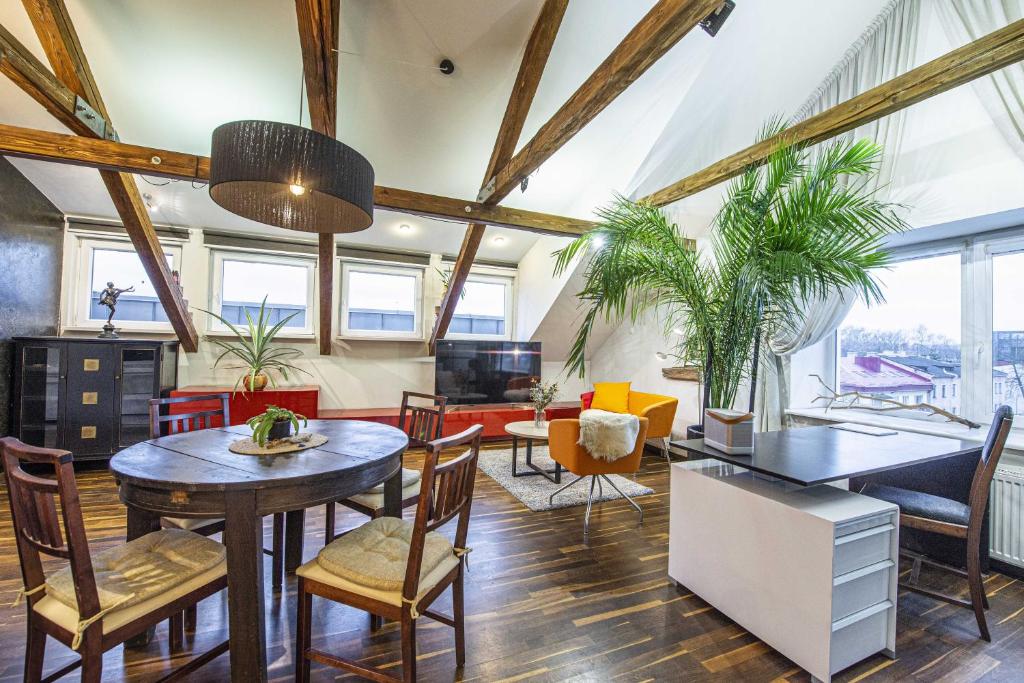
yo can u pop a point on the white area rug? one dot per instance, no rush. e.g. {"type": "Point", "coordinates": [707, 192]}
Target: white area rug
{"type": "Point", "coordinates": [534, 490]}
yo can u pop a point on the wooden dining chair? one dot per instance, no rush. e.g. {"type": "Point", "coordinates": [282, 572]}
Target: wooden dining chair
{"type": "Point", "coordinates": [98, 601]}
{"type": "Point", "coordinates": [163, 423]}
{"type": "Point", "coordinates": [421, 424]}
{"type": "Point", "coordinates": [395, 568]}
{"type": "Point", "coordinates": [946, 517]}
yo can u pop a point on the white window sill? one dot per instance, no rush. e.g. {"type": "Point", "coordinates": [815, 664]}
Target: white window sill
{"type": "Point", "coordinates": [359, 337]}
{"type": "Point", "coordinates": [122, 331]}
{"type": "Point", "coordinates": [280, 336]}
{"type": "Point", "coordinates": [1014, 443]}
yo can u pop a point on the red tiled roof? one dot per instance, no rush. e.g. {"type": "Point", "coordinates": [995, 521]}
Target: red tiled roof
{"type": "Point", "coordinates": [872, 374]}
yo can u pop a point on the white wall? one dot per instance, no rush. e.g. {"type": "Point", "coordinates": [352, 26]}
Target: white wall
{"type": "Point", "coordinates": [538, 287]}
{"type": "Point", "coordinates": [628, 355]}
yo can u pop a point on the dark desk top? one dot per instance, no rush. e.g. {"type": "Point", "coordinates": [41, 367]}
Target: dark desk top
{"type": "Point", "coordinates": [817, 455]}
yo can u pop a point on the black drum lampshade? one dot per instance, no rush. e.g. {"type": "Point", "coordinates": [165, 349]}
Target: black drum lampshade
{"type": "Point", "coordinates": [291, 177]}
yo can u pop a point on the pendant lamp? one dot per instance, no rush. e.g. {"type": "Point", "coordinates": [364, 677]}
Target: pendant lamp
{"type": "Point", "coordinates": [291, 177]}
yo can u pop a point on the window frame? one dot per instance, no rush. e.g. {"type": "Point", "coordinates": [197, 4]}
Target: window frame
{"type": "Point", "coordinates": [217, 258]}
{"type": "Point", "coordinates": [357, 265]}
{"type": "Point", "coordinates": [81, 295]}
{"type": "Point", "coordinates": [978, 298]}
{"type": "Point", "coordinates": [492, 276]}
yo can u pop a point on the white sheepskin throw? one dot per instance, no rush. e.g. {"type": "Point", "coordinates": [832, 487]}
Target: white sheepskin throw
{"type": "Point", "coordinates": [608, 436]}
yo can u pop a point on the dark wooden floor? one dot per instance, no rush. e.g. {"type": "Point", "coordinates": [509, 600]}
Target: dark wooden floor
{"type": "Point", "coordinates": [544, 606]}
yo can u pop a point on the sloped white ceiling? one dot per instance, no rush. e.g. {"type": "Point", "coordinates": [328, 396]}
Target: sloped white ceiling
{"type": "Point", "coordinates": [172, 71]}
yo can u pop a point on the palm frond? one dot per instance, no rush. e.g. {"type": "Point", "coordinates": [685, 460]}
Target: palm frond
{"type": "Point", "coordinates": [803, 225]}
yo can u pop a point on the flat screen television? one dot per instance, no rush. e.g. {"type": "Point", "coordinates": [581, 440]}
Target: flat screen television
{"type": "Point", "coordinates": [475, 372]}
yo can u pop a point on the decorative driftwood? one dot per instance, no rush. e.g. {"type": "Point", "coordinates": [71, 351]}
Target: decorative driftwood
{"type": "Point", "coordinates": [891, 405]}
{"type": "Point", "coordinates": [686, 373]}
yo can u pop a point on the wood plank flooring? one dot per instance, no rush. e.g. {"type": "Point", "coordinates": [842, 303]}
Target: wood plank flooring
{"type": "Point", "coordinates": [542, 605]}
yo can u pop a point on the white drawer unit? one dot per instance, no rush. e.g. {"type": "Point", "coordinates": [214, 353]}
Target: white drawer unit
{"type": "Point", "coordinates": [811, 571]}
{"type": "Point", "coordinates": [863, 548]}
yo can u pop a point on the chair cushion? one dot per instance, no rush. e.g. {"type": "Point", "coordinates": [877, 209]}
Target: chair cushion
{"type": "Point", "coordinates": [67, 617]}
{"type": "Point", "coordinates": [376, 554]}
{"type": "Point", "coordinates": [375, 501]}
{"type": "Point", "coordinates": [409, 478]}
{"type": "Point", "coordinates": [313, 571]}
{"type": "Point", "coordinates": [195, 524]}
{"type": "Point", "coordinates": [918, 504]}
{"type": "Point", "coordinates": [611, 396]}
{"type": "Point", "coordinates": [141, 569]}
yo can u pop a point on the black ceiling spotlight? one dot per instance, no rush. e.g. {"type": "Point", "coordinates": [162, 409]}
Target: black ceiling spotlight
{"type": "Point", "coordinates": [447, 66]}
{"type": "Point", "coordinates": [713, 22]}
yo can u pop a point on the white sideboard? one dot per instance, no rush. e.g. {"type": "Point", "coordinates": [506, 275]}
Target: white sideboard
{"type": "Point", "coordinates": [811, 571]}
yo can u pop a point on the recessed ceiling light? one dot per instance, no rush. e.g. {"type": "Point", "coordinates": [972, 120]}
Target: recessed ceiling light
{"type": "Point", "coordinates": [297, 190]}
{"type": "Point", "coordinates": [405, 227]}
{"type": "Point", "coordinates": [499, 240]}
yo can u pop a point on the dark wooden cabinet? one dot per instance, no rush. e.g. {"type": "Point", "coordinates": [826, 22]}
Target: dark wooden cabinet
{"type": "Point", "coordinates": [88, 396]}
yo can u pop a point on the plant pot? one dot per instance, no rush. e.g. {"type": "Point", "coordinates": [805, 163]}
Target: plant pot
{"type": "Point", "coordinates": [259, 384]}
{"type": "Point", "coordinates": [282, 429]}
{"type": "Point", "coordinates": [695, 432]}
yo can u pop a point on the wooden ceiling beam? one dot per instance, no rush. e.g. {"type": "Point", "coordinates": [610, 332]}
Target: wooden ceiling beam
{"type": "Point", "coordinates": [318, 37]}
{"type": "Point", "coordinates": [660, 29]}
{"type": "Point", "coordinates": [974, 60]}
{"type": "Point", "coordinates": [57, 34]}
{"type": "Point", "coordinates": [29, 143]}
{"type": "Point", "coordinates": [531, 68]}
{"type": "Point", "coordinates": [36, 79]}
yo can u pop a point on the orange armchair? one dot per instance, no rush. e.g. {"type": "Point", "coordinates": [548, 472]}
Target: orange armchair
{"type": "Point", "coordinates": [659, 410]}
{"type": "Point", "coordinates": [563, 447]}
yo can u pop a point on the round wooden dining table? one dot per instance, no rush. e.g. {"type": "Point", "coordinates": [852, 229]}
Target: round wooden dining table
{"type": "Point", "coordinates": [193, 474]}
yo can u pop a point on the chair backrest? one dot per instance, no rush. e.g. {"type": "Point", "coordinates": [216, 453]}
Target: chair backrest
{"type": "Point", "coordinates": [446, 491]}
{"type": "Point", "coordinates": [1002, 421]}
{"type": "Point", "coordinates": [39, 529]}
{"type": "Point", "coordinates": [187, 422]}
{"type": "Point", "coordinates": [422, 424]}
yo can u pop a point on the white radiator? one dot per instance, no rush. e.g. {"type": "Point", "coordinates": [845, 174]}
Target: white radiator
{"type": "Point", "coordinates": [1006, 522]}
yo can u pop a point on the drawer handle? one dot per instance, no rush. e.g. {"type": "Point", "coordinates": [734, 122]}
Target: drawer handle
{"type": "Point", "coordinates": [864, 534]}
{"type": "Point", "coordinates": [863, 571]}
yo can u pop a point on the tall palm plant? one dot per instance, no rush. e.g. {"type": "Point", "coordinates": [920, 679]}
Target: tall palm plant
{"type": "Point", "coordinates": [801, 226]}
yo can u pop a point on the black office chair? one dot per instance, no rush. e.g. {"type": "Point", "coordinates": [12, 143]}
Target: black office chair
{"type": "Point", "coordinates": [947, 517]}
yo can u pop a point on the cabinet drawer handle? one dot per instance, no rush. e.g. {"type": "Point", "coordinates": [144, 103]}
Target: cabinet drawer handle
{"type": "Point", "coordinates": [91, 364]}
{"type": "Point", "coordinates": [90, 398]}
{"type": "Point", "coordinates": [89, 432]}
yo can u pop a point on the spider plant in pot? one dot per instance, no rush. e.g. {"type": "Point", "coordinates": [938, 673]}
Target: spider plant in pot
{"type": "Point", "coordinates": [803, 225]}
{"type": "Point", "coordinates": [253, 348]}
{"type": "Point", "coordinates": [275, 423]}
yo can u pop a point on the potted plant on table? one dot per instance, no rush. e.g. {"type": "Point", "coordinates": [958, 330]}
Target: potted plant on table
{"type": "Point", "coordinates": [253, 348]}
{"type": "Point", "coordinates": [542, 395]}
{"type": "Point", "coordinates": [274, 424]}
{"type": "Point", "coordinates": [802, 226]}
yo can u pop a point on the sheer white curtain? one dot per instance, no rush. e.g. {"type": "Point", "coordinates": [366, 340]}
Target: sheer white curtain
{"type": "Point", "coordinates": [886, 49]}
{"type": "Point", "coordinates": [1001, 93]}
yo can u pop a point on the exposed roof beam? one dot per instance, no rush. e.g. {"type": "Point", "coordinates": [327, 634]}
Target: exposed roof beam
{"type": "Point", "coordinates": [36, 79]}
{"type": "Point", "coordinates": [974, 60]}
{"type": "Point", "coordinates": [531, 68]}
{"type": "Point", "coordinates": [661, 28]}
{"type": "Point", "coordinates": [318, 36]}
{"type": "Point", "coordinates": [30, 143]}
{"type": "Point", "coordinates": [64, 51]}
